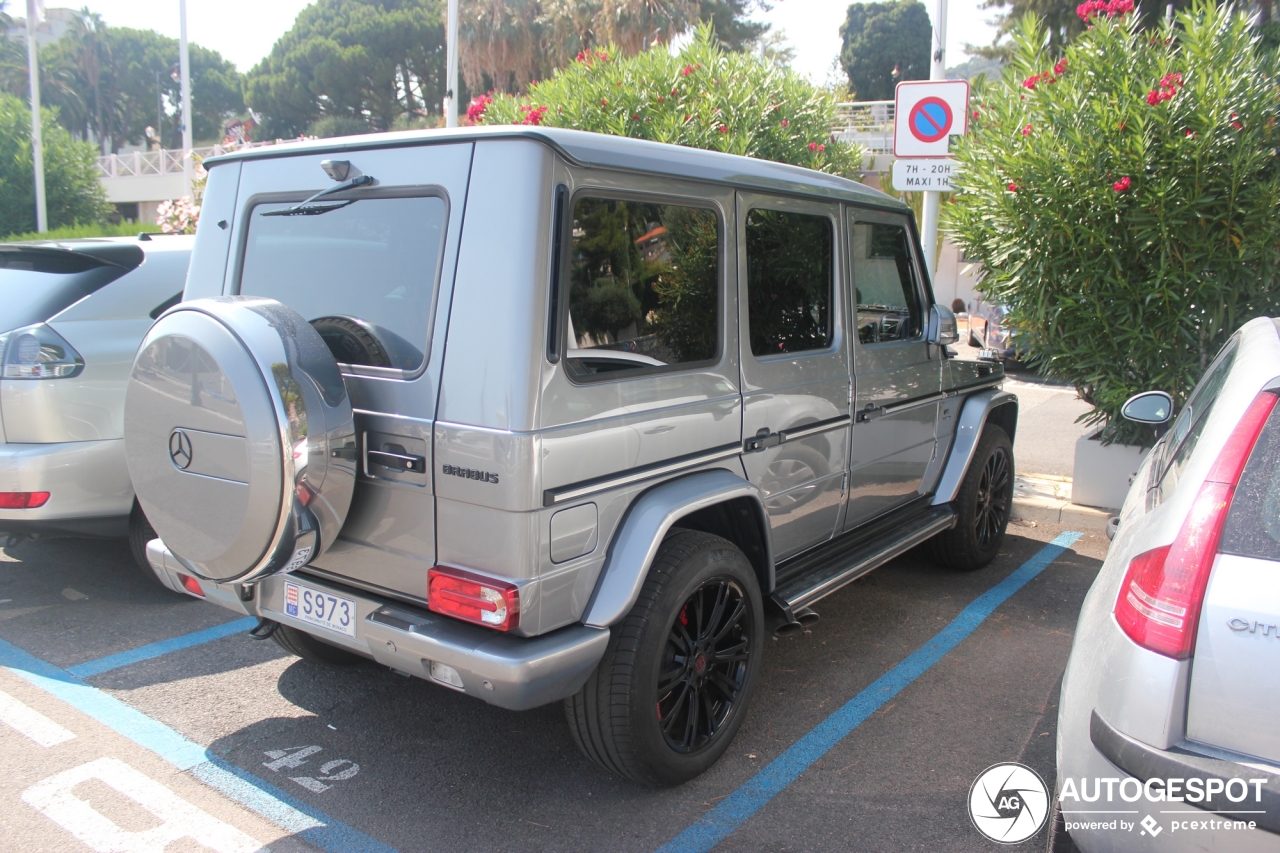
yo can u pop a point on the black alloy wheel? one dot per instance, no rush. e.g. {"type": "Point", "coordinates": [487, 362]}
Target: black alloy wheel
{"type": "Point", "coordinates": [704, 665]}
{"type": "Point", "coordinates": [993, 498]}
{"type": "Point", "coordinates": [982, 504]}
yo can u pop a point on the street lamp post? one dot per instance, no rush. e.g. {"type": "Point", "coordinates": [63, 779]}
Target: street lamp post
{"type": "Point", "coordinates": [451, 60]}
{"type": "Point", "coordinates": [184, 67]}
{"type": "Point", "coordinates": [932, 200]}
{"type": "Point", "coordinates": [34, 17]}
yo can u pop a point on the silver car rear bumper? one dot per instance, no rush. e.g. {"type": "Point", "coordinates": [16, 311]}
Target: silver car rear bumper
{"type": "Point", "coordinates": [510, 672]}
{"type": "Point", "coordinates": [84, 479]}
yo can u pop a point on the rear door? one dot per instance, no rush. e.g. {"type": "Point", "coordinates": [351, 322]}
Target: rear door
{"type": "Point", "coordinates": [1235, 674]}
{"type": "Point", "coordinates": [795, 367]}
{"type": "Point", "coordinates": [368, 276]}
{"type": "Point", "coordinates": [898, 375]}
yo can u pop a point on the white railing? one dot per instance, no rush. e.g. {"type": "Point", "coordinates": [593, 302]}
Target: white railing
{"type": "Point", "coordinates": [139, 164]}
{"type": "Point", "coordinates": [868, 123]}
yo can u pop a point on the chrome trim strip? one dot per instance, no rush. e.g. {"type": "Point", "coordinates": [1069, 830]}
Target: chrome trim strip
{"type": "Point", "coordinates": [573, 491]}
{"type": "Point", "coordinates": [908, 405]}
{"type": "Point", "coordinates": [814, 429]}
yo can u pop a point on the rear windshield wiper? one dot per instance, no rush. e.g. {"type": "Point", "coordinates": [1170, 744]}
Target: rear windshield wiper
{"type": "Point", "coordinates": [305, 208]}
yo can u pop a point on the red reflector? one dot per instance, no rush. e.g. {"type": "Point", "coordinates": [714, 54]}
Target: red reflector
{"type": "Point", "coordinates": [22, 500]}
{"type": "Point", "coordinates": [1159, 602]}
{"type": "Point", "coordinates": [192, 585]}
{"type": "Point", "coordinates": [472, 598]}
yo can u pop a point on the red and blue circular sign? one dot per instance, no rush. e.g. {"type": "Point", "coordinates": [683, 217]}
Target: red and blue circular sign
{"type": "Point", "coordinates": [930, 119]}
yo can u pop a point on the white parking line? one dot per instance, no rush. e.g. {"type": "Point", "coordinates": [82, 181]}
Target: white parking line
{"type": "Point", "coordinates": [179, 818]}
{"type": "Point", "coordinates": [31, 723]}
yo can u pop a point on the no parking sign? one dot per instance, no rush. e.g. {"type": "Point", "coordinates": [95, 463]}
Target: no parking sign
{"type": "Point", "coordinates": [927, 115]}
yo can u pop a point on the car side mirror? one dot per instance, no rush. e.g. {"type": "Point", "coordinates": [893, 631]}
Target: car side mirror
{"type": "Point", "coordinates": [942, 326]}
{"type": "Point", "coordinates": [1149, 407]}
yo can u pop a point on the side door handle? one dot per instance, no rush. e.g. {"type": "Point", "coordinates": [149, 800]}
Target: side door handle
{"type": "Point", "coordinates": [870, 413]}
{"type": "Point", "coordinates": [398, 461]}
{"type": "Point", "coordinates": [762, 439]}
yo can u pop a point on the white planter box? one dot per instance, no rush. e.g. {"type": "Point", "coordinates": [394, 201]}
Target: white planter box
{"type": "Point", "coordinates": [1103, 473]}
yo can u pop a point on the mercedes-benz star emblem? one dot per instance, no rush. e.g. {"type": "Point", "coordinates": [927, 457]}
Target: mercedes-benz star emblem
{"type": "Point", "coordinates": [180, 449]}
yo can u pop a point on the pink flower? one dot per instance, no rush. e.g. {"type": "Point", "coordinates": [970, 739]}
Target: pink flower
{"type": "Point", "coordinates": [1061, 67]}
{"type": "Point", "coordinates": [686, 71]}
{"type": "Point", "coordinates": [1026, 131]}
{"type": "Point", "coordinates": [635, 116]}
{"type": "Point", "coordinates": [784, 122]}
{"type": "Point", "coordinates": [1153, 97]}
{"type": "Point", "coordinates": [1013, 188]}
{"type": "Point", "coordinates": [1030, 82]}
{"type": "Point", "coordinates": [604, 102]}
{"type": "Point", "coordinates": [475, 109]}
{"type": "Point", "coordinates": [1122, 185]}
{"type": "Point", "coordinates": [724, 129]}
{"type": "Point", "coordinates": [813, 146]}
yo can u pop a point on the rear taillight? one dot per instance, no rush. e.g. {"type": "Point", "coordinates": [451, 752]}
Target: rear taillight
{"type": "Point", "coordinates": [472, 598]}
{"type": "Point", "coordinates": [38, 352]}
{"type": "Point", "coordinates": [192, 585]}
{"type": "Point", "coordinates": [1163, 589]}
{"type": "Point", "coordinates": [23, 500]}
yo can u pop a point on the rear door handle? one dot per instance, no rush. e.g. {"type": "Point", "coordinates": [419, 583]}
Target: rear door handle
{"type": "Point", "coordinates": [397, 461]}
{"type": "Point", "coordinates": [762, 440]}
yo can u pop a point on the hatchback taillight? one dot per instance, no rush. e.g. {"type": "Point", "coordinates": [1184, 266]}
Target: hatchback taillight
{"type": "Point", "coordinates": [470, 597]}
{"type": "Point", "coordinates": [1163, 589]}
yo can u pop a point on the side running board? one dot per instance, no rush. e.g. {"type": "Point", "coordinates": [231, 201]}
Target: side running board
{"type": "Point", "coordinates": [813, 576]}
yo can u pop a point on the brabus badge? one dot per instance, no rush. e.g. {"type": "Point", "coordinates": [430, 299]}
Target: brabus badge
{"type": "Point", "coordinates": [469, 473]}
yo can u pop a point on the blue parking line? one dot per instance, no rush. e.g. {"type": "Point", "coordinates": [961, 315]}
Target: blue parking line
{"type": "Point", "coordinates": [155, 650]}
{"type": "Point", "coordinates": [738, 807]}
{"type": "Point", "coordinates": [290, 814]}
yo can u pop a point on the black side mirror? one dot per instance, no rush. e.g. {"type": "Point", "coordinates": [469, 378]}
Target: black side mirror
{"type": "Point", "coordinates": [1149, 407]}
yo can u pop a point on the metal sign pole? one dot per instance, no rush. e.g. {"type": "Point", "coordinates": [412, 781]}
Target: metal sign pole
{"type": "Point", "coordinates": [932, 200]}
{"type": "Point", "coordinates": [184, 70]}
{"type": "Point", "coordinates": [37, 135]}
{"type": "Point", "coordinates": [451, 82]}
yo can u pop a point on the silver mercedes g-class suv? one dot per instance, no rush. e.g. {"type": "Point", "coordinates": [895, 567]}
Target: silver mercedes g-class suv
{"type": "Point", "coordinates": [545, 415]}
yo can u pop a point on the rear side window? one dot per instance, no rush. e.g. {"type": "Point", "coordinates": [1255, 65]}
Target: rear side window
{"type": "Point", "coordinates": [363, 274]}
{"type": "Point", "coordinates": [35, 285]}
{"type": "Point", "coordinates": [644, 290]}
{"type": "Point", "coordinates": [1253, 524]}
{"type": "Point", "coordinates": [884, 282]}
{"type": "Point", "coordinates": [790, 281]}
{"type": "Point", "coordinates": [1187, 428]}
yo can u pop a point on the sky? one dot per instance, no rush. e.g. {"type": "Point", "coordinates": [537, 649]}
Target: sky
{"type": "Point", "coordinates": [244, 30]}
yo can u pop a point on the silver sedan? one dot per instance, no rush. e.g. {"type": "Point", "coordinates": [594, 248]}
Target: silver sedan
{"type": "Point", "coordinates": [1167, 728]}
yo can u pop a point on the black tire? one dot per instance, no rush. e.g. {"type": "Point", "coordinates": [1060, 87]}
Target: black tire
{"type": "Point", "coordinates": [140, 533]}
{"type": "Point", "coordinates": [982, 506]}
{"type": "Point", "coordinates": [617, 717]}
{"type": "Point", "coordinates": [1059, 840]}
{"type": "Point", "coordinates": [311, 649]}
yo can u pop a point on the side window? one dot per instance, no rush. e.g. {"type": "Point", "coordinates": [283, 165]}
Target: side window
{"type": "Point", "coordinates": [644, 290]}
{"type": "Point", "coordinates": [884, 281]}
{"type": "Point", "coordinates": [789, 281]}
{"type": "Point", "coordinates": [1187, 428]}
{"type": "Point", "coordinates": [363, 273]}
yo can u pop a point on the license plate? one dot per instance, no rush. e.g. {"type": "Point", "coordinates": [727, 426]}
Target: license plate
{"type": "Point", "coordinates": [322, 609]}
{"type": "Point", "coordinates": [990, 355]}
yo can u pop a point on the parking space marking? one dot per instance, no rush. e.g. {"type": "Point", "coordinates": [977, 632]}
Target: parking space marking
{"type": "Point", "coordinates": [32, 723]}
{"type": "Point", "coordinates": [733, 811]}
{"type": "Point", "coordinates": [179, 819]}
{"type": "Point", "coordinates": [290, 814]}
{"type": "Point", "coordinates": [155, 650]}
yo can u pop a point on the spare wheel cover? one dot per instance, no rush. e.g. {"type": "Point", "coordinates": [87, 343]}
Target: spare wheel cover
{"type": "Point", "coordinates": [239, 437]}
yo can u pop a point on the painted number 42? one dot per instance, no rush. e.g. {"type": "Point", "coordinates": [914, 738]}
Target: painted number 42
{"type": "Point", "coordinates": [293, 757]}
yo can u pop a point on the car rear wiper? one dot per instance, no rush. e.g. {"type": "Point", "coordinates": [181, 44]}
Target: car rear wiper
{"type": "Point", "coordinates": [305, 208]}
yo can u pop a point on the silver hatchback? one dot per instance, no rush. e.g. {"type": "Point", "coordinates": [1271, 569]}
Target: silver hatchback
{"type": "Point", "coordinates": [1167, 735]}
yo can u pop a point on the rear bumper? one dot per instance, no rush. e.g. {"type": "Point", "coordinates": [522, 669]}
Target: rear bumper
{"type": "Point", "coordinates": [510, 672]}
{"type": "Point", "coordinates": [87, 481]}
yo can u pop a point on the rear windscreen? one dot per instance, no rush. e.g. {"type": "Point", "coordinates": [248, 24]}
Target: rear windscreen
{"type": "Point", "coordinates": [1253, 524]}
{"type": "Point", "coordinates": [362, 273]}
{"type": "Point", "coordinates": [36, 285]}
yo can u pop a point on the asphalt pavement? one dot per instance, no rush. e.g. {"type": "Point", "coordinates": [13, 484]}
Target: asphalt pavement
{"type": "Point", "coordinates": [237, 743]}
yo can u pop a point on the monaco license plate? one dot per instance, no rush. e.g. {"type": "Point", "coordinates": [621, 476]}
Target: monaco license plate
{"type": "Point", "coordinates": [322, 609]}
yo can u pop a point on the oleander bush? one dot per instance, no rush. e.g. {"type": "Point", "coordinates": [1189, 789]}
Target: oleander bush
{"type": "Point", "coordinates": [703, 97]}
{"type": "Point", "coordinates": [1123, 198]}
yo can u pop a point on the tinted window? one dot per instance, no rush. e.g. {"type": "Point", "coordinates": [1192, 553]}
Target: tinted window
{"type": "Point", "coordinates": [1253, 524]}
{"type": "Point", "coordinates": [884, 283]}
{"type": "Point", "coordinates": [789, 281]}
{"type": "Point", "coordinates": [1187, 428]}
{"type": "Point", "coordinates": [364, 274]}
{"type": "Point", "coordinates": [643, 287]}
{"type": "Point", "coordinates": [35, 285]}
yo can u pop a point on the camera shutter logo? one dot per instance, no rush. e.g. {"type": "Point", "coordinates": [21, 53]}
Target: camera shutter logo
{"type": "Point", "coordinates": [180, 449]}
{"type": "Point", "coordinates": [1008, 803]}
